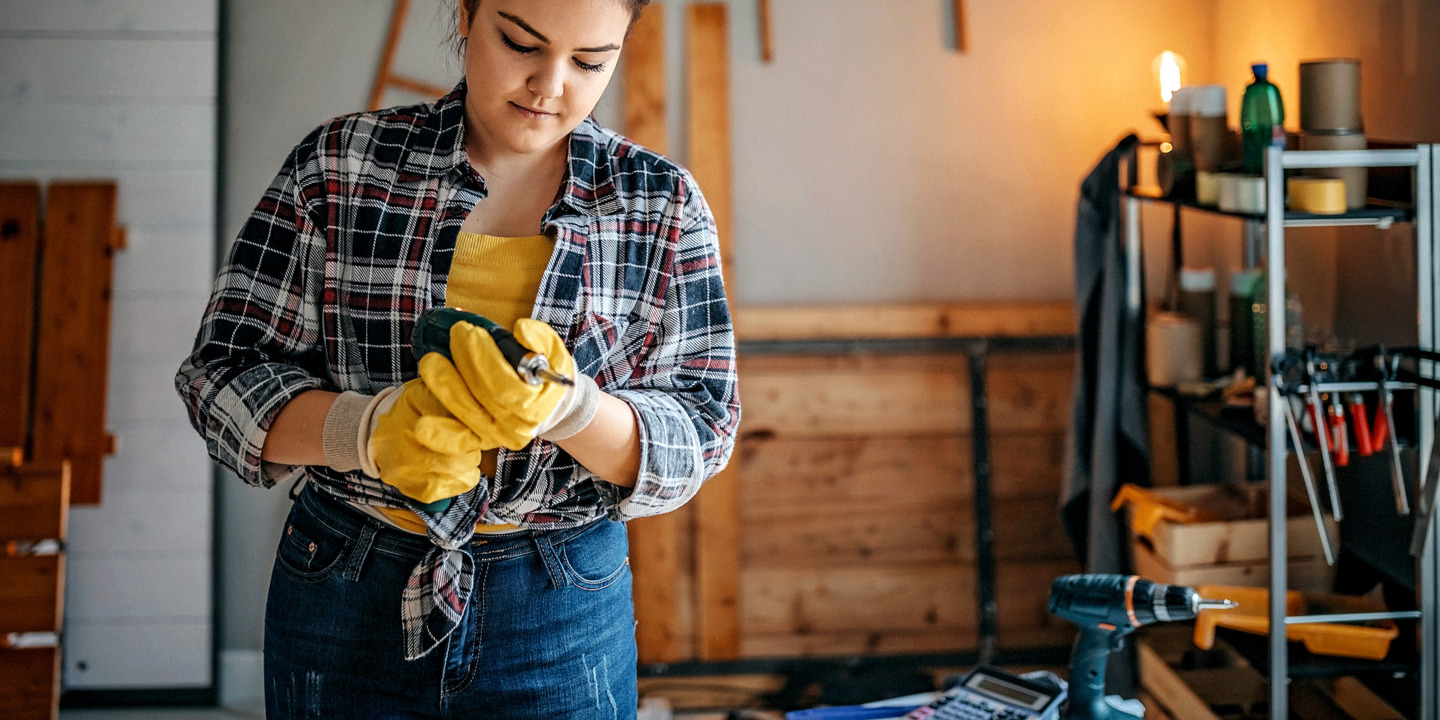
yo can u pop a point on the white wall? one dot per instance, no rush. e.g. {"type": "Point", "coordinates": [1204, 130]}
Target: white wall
{"type": "Point", "coordinates": [125, 89]}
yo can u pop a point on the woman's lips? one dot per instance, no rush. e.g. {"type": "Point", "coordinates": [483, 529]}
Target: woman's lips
{"type": "Point", "coordinates": [531, 114]}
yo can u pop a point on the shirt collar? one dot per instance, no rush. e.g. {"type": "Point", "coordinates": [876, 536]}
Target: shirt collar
{"type": "Point", "coordinates": [438, 148]}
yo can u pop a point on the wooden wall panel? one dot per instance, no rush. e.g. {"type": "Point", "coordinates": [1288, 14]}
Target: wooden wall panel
{"type": "Point", "coordinates": [901, 608]}
{"type": "Point", "coordinates": [19, 252]}
{"type": "Point", "coordinates": [857, 481]}
{"type": "Point", "coordinates": [72, 358]}
{"type": "Point", "coordinates": [844, 534]}
{"type": "Point", "coordinates": [923, 468]}
{"type": "Point", "coordinates": [888, 395]}
{"type": "Point", "coordinates": [928, 320]}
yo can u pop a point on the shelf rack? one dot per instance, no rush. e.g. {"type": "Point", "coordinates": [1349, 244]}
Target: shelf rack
{"type": "Point", "coordinates": [1275, 658]}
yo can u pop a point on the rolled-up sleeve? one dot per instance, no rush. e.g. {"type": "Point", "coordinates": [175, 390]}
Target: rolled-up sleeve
{"type": "Point", "coordinates": [684, 391]}
{"type": "Point", "coordinates": [259, 341]}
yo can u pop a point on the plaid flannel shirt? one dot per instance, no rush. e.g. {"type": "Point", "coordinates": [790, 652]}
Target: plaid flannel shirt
{"type": "Point", "coordinates": [354, 239]}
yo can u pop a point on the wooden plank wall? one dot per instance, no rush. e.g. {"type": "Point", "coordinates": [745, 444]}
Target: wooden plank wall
{"type": "Point", "coordinates": [844, 523]}
{"type": "Point", "coordinates": [856, 484]}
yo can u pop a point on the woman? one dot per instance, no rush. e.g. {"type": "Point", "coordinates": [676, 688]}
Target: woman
{"type": "Point", "coordinates": [506, 199]}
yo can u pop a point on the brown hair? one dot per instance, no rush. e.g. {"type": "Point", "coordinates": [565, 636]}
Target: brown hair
{"type": "Point", "coordinates": [457, 40]}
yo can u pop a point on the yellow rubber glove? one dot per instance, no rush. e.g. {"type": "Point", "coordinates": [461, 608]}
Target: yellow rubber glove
{"type": "Point", "coordinates": [483, 390]}
{"type": "Point", "coordinates": [422, 450]}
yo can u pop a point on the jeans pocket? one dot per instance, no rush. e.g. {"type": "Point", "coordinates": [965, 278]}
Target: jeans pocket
{"type": "Point", "coordinates": [310, 552]}
{"type": "Point", "coordinates": [598, 559]}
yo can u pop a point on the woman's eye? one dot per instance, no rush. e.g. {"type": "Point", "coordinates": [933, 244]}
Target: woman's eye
{"type": "Point", "coordinates": [587, 67]}
{"type": "Point", "coordinates": [517, 47]}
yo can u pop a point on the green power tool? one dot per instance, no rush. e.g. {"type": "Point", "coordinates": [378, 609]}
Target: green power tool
{"type": "Point", "coordinates": [432, 334]}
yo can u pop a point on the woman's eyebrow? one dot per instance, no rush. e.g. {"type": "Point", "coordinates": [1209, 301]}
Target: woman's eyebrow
{"type": "Point", "coordinates": [526, 27]}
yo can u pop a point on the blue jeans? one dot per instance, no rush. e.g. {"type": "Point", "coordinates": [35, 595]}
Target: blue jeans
{"type": "Point", "coordinates": [548, 633]}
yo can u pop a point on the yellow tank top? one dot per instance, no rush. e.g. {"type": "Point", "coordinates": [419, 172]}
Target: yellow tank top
{"type": "Point", "coordinates": [497, 277]}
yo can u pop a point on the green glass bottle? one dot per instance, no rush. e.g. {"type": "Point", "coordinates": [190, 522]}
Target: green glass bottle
{"type": "Point", "coordinates": [1261, 110]}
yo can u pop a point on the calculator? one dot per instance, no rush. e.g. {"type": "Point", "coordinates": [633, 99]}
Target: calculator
{"type": "Point", "coordinates": [989, 693]}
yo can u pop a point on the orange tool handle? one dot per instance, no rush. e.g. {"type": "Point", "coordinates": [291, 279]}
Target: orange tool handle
{"type": "Point", "coordinates": [1380, 428]}
{"type": "Point", "coordinates": [1339, 439]}
{"type": "Point", "coordinates": [1362, 426]}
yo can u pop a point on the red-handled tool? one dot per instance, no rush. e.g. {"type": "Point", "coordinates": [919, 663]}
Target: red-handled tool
{"type": "Point", "coordinates": [1339, 437]}
{"type": "Point", "coordinates": [1380, 429]}
{"type": "Point", "coordinates": [1362, 425]}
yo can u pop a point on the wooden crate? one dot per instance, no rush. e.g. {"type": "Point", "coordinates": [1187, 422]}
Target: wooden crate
{"type": "Point", "coordinates": [1235, 550]}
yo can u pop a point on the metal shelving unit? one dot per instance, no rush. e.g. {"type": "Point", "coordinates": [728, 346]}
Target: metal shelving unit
{"type": "Point", "coordinates": [1269, 229]}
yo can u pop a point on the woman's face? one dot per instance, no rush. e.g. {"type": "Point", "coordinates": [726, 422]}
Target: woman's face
{"type": "Point", "coordinates": [534, 69]}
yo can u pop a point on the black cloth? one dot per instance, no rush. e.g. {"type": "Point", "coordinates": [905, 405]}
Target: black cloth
{"type": "Point", "coordinates": [1107, 444]}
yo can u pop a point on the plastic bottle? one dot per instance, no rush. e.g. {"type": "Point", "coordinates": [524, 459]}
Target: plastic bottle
{"type": "Point", "coordinates": [1261, 110]}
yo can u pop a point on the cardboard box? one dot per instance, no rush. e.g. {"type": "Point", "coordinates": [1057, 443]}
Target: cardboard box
{"type": "Point", "coordinates": [1234, 550]}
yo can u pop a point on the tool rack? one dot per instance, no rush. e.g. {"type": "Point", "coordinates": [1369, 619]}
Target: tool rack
{"type": "Point", "coordinates": [1266, 233]}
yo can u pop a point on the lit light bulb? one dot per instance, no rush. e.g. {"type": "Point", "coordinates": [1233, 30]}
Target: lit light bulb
{"type": "Point", "coordinates": [1169, 72]}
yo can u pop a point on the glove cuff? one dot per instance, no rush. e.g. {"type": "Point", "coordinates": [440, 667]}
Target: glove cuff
{"type": "Point", "coordinates": [576, 410]}
{"type": "Point", "coordinates": [379, 405]}
{"type": "Point", "coordinates": [338, 436]}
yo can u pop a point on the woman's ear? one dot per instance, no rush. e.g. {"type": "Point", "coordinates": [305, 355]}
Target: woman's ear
{"type": "Point", "coordinates": [463, 19]}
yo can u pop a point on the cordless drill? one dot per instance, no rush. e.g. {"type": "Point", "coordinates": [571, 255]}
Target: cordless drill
{"type": "Point", "coordinates": [1107, 608]}
{"type": "Point", "coordinates": [432, 334]}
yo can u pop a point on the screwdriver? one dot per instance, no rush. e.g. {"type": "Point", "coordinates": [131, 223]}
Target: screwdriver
{"type": "Point", "coordinates": [432, 334]}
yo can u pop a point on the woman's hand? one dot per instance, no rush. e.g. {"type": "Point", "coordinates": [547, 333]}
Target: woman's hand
{"type": "Point", "coordinates": [421, 449]}
{"type": "Point", "coordinates": [483, 390]}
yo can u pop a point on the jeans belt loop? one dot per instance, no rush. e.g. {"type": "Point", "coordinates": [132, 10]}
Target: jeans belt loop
{"type": "Point", "coordinates": [550, 557]}
{"type": "Point", "coordinates": [361, 550]}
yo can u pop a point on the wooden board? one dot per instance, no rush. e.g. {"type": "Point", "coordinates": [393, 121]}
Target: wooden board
{"type": "Point", "coordinates": [1168, 689]}
{"type": "Point", "coordinates": [31, 690]}
{"type": "Point", "coordinates": [19, 250]}
{"type": "Point", "coordinates": [883, 395]}
{"type": "Point", "coordinates": [717, 567]}
{"type": "Point", "coordinates": [915, 469]}
{"type": "Point", "coordinates": [707, 64]}
{"type": "Point", "coordinates": [654, 541]}
{"type": "Point", "coordinates": [72, 356]}
{"type": "Point", "coordinates": [717, 555]}
{"type": "Point", "coordinates": [31, 590]}
{"type": "Point", "coordinates": [654, 564]}
{"type": "Point", "coordinates": [927, 320]}
{"type": "Point", "coordinates": [34, 498]}
{"type": "Point", "coordinates": [1303, 573]}
{"type": "Point", "coordinates": [916, 607]}
{"type": "Point", "coordinates": [646, 106]}
{"type": "Point", "coordinates": [843, 535]}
